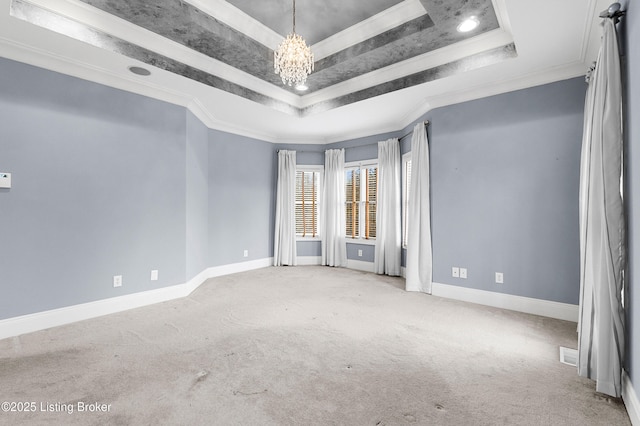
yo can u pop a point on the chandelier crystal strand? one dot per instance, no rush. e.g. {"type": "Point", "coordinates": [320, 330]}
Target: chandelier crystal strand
{"type": "Point", "coordinates": [293, 59]}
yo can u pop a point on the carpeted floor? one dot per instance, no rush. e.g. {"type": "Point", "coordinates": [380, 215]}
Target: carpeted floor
{"type": "Point", "coordinates": [302, 346]}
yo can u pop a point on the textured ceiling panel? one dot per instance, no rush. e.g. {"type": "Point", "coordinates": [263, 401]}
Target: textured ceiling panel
{"type": "Point", "coordinates": [334, 15]}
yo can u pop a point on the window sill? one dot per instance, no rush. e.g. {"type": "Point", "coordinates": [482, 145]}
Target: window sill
{"type": "Point", "coordinates": [362, 241]}
{"type": "Point", "coordinates": [308, 239]}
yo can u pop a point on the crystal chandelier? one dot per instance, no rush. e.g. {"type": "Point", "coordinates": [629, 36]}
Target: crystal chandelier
{"type": "Point", "coordinates": [293, 59]}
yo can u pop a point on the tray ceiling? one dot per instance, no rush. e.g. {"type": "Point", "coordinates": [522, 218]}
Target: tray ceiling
{"type": "Point", "coordinates": [367, 53]}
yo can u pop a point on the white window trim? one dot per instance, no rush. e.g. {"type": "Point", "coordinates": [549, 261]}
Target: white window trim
{"type": "Point", "coordinates": [314, 168]}
{"type": "Point", "coordinates": [405, 157]}
{"type": "Point", "coordinates": [361, 241]}
{"type": "Point", "coordinates": [361, 220]}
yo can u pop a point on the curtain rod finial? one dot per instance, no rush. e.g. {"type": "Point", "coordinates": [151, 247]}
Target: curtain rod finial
{"type": "Point", "coordinates": [613, 11]}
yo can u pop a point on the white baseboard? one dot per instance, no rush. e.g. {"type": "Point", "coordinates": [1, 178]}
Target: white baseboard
{"type": "Point", "coordinates": [360, 265]}
{"type": "Point", "coordinates": [630, 399]}
{"type": "Point", "coordinates": [42, 320]}
{"type": "Point", "coordinates": [546, 308]}
{"type": "Point", "coordinates": [234, 268]}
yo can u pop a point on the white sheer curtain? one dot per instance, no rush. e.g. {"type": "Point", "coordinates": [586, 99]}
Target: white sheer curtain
{"type": "Point", "coordinates": [419, 259]}
{"type": "Point", "coordinates": [284, 247]}
{"type": "Point", "coordinates": [601, 326]}
{"type": "Point", "coordinates": [388, 228]}
{"type": "Point", "coordinates": [334, 245]}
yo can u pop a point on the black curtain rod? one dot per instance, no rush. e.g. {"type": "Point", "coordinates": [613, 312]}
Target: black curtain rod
{"type": "Point", "coordinates": [613, 12]}
{"type": "Point", "coordinates": [298, 150]}
{"type": "Point", "coordinates": [408, 133]}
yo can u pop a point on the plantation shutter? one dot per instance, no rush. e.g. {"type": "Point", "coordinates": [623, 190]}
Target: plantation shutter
{"type": "Point", "coordinates": [307, 183]}
{"type": "Point", "coordinates": [371, 202]}
{"type": "Point", "coordinates": [353, 202]}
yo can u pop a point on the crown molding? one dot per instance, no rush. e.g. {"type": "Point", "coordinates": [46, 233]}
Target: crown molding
{"type": "Point", "coordinates": [72, 67]}
{"type": "Point", "coordinates": [197, 108]}
{"type": "Point", "coordinates": [539, 78]}
{"type": "Point", "coordinates": [144, 87]}
{"type": "Point", "coordinates": [587, 36]}
{"type": "Point", "coordinates": [302, 141]}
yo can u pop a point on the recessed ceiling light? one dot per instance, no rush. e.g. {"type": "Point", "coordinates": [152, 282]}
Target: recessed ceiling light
{"type": "Point", "coordinates": [468, 24]}
{"type": "Point", "coordinates": [302, 87]}
{"type": "Point", "coordinates": [140, 71]}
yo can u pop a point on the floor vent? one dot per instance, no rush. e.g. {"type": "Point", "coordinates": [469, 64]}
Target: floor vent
{"type": "Point", "coordinates": [568, 356]}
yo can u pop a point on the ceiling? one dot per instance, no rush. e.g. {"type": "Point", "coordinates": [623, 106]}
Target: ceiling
{"type": "Point", "coordinates": [379, 64]}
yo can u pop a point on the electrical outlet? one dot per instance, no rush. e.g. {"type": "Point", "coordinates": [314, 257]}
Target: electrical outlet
{"type": "Point", "coordinates": [246, 253]}
{"type": "Point", "coordinates": [5, 180]}
{"type": "Point", "coordinates": [463, 273]}
{"type": "Point", "coordinates": [117, 280]}
{"type": "Point", "coordinates": [154, 275]}
{"type": "Point", "coordinates": [359, 253]}
{"type": "Point", "coordinates": [455, 272]}
{"type": "Point", "coordinates": [499, 278]}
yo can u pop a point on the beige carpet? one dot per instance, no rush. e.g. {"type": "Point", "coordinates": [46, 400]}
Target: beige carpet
{"type": "Point", "coordinates": [302, 346]}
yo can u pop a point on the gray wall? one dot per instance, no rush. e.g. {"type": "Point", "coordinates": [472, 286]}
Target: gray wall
{"type": "Point", "coordinates": [306, 154]}
{"type": "Point", "coordinates": [107, 182]}
{"type": "Point", "coordinates": [242, 182]}
{"type": "Point", "coordinates": [632, 189]}
{"type": "Point", "coordinates": [110, 183]}
{"type": "Point", "coordinates": [197, 196]}
{"type": "Point", "coordinates": [98, 190]}
{"type": "Point", "coordinates": [504, 187]}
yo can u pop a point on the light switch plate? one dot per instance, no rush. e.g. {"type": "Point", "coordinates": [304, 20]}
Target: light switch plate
{"type": "Point", "coordinates": [5, 180]}
{"type": "Point", "coordinates": [455, 272]}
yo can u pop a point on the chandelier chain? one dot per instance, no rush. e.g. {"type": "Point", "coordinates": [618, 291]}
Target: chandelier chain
{"type": "Point", "coordinates": [293, 59]}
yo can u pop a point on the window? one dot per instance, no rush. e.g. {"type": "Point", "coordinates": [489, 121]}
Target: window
{"type": "Point", "coordinates": [406, 184]}
{"type": "Point", "coordinates": [307, 201]}
{"type": "Point", "coordinates": [361, 196]}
